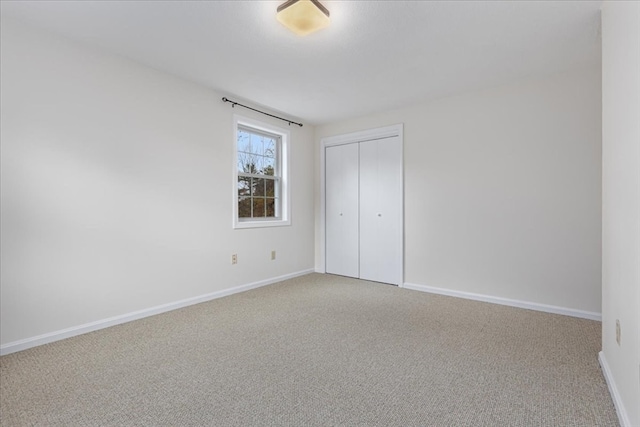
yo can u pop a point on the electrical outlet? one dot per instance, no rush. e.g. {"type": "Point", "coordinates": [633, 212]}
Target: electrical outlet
{"type": "Point", "coordinates": [273, 255]}
{"type": "Point", "coordinates": [618, 331]}
{"type": "Point", "coordinates": [234, 259]}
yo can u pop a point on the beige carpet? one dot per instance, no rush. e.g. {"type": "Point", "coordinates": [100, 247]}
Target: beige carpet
{"type": "Point", "coordinates": [318, 350]}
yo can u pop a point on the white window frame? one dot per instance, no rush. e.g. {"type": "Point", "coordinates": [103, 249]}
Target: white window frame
{"type": "Point", "coordinates": [283, 158]}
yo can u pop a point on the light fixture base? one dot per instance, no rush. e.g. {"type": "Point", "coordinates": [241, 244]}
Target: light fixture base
{"type": "Point", "coordinates": [303, 16]}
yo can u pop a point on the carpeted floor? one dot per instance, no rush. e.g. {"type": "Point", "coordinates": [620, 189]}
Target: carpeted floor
{"type": "Point", "coordinates": [318, 350]}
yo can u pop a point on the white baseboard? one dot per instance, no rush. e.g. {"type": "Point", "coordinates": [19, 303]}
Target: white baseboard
{"type": "Point", "coordinates": [506, 301]}
{"type": "Point", "coordinates": [24, 344]}
{"type": "Point", "coordinates": [623, 417]}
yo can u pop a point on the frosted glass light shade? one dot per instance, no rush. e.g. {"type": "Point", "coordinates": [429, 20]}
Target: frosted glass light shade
{"type": "Point", "coordinates": [303, 16]}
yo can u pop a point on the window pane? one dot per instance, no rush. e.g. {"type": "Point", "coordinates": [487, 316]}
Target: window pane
{"type": "Point", "coordinates": [247, 163]}
{"type": "Point", "coordinates": [256, 144]}
{"type": "Point", "coordinates": [258, 186]}
{"type": "Point", "coordinates": [244, 207]}
{"type": "Point", "coordinates": [258, 207]}
{"type": "Point", "coordinates": [244, 185]}
{"type": "Point", "coordinates": [270, 190]}
{"type": "Point", "coordinates": [270, 147]}
{"type": "Point", "coordinates": [271, 207]}
{"type": "Point", "coordinates": [244, 141]}
{"type": "Point", "coordinates": [259, 164]}
{"type": "Point", "coordinates": [268, 166]}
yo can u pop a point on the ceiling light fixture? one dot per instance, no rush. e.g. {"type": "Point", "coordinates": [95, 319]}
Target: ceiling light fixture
{"type": "Point", "coordinates": [303, 16]}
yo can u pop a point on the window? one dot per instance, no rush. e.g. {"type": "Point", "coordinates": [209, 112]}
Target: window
{"type": "Point", "coordinates": [260, 181]}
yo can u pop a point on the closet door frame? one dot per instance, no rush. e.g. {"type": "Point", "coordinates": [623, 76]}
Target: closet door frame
{"type": "Point", "coordinates": [350, 138]}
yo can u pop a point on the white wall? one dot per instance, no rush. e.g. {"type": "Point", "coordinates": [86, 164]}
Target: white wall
{"type": "Point", "coordinates": [502, 190]}
{"type": "Point", "coordinates": [116, 188]}
{"type": "Point", "coordinates": [621, 204]}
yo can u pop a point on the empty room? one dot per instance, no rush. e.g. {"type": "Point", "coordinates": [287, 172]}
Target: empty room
{"type": "Point", "coordinates": [320, 213]}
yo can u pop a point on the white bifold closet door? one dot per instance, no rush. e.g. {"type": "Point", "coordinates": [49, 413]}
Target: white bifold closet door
{"type": "Point", "coordinates": [364, 210]}
{"type": "Point", "coordinates": [341, 210]}
{"type": "Point", "coordinates": [381, 228]}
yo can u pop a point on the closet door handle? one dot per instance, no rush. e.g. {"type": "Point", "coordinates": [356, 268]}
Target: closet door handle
{"type": "Point", "coordinates": [379, 214]}
{"type": "Point", "coordinates": [340, 213]}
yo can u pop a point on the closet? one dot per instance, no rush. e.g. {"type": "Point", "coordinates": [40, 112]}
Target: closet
{"type": "Point", "coordinates": [364, 207]}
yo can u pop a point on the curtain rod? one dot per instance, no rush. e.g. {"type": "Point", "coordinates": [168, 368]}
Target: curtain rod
{"type": "Point", "coordinates": [234, 103]}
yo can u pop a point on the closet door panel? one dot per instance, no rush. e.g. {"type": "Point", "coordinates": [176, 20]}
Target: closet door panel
{"type": "Point", "coordinates": [341, 210]}
{"type": "Point", "coordinates": [381, 211]}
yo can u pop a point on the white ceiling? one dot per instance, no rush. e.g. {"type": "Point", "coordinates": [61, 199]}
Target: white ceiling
{"type": "Point", "coordinates": [375, 56]}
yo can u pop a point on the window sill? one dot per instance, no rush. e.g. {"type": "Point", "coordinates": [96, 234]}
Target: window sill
{"type": "Point", "coordinates": [260, 224]}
